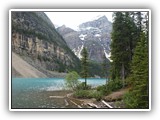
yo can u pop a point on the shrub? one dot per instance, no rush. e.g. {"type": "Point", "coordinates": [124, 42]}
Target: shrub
{"type": "Point", "coordinates": [110, 86]}
{"type": "Point", "coordinates": [114, 85]}
{"type": "Point", "coordinates": [135, 100]}
{"type": "Point", "coordinates": [103, 89]}
{"type": "Point", "coordinates": [130, 101]}
{"type": "Point", "coordinates": [82, 86]}
{"type": "Point", "coordinates": [97, 95]}
{"type": "Point", "coordinates": [81, 94]}
{"type": "Point", "coordinates": [88, 94]}
{"type": "Point", "coordinates": [72, 80]}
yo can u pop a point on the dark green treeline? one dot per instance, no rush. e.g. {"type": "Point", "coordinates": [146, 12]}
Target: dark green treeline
{"type": "Point", "coordinates": [129, 52]}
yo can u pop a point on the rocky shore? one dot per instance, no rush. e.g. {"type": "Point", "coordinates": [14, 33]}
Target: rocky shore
{"type": "Point", "coordinates": [71, 102]}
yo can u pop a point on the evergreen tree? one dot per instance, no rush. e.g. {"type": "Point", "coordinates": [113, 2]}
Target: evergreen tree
{"type": "Point", "coordinates": [138, 21]}
{"type": "Point", "coordinates": [129, 53]}
{"type": "Point", "coordinates": [138, 96]}
{"type": "Point", "coordinates": [122, 45]}
{"type": "Point", "coordinates": [146, 25]}
{"type": "Point", "coordinates": [84, 65]}
{"type": "Point", "coordinates": [105, 67]}
{"type": "Point", "coordinates": [116, 44]}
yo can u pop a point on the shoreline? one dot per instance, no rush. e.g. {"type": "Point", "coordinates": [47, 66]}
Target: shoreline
{"type": "Point", "coordinates": [57, 98]}
{"type": "Point", "coordinates": [79, 102]}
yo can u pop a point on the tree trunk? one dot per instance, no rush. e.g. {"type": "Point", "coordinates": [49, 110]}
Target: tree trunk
{"type": "Point", "coordinates": [123, 73]}
{"type": "Point", "coordinates": [85, 82]}
{"type": "Point", "coordinates": [106, 79]}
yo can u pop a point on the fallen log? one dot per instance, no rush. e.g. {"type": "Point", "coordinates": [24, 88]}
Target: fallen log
{"type": "Point", "coordinates": [92, 105]}
{"type": "Point", "coordinates": [106, 104]}
{"type": "Point", "coordinates": [66, 103]}
{"type": "Point", "coordinates": [76, 104]}
{"type": "Point", "coordinates": [56, 96]}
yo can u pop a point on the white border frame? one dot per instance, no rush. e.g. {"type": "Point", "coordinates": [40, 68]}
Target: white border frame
{"type": "Point", "coordinates": [82, 10]}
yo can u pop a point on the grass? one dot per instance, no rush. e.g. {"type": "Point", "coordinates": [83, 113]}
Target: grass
{"type": "Point", "coordinates": [88, 94]}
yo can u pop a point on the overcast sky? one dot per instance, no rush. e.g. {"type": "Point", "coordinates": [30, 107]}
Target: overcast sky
{"type": "Point", "coordinates": [73, 19]}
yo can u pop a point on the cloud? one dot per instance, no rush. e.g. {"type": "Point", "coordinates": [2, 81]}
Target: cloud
{"type": "Point", "coordinates": [73, 19]}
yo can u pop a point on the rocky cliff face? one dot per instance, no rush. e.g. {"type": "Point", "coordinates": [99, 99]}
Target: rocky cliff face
{"type": "Point", "coordinates": [94, 35]}
{"type": "Point", "coordinates": [34, 38]}
{"type": "Point", "coordinates": [71, 36]}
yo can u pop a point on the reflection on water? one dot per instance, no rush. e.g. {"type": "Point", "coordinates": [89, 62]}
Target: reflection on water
{"type": "Point", "coordinates": [35, 92]}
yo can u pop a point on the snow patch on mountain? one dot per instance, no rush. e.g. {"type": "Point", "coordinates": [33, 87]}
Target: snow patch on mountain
{"type": "Point", "coordinates": [94, 35]}
{"type": "Point", "coordinates": [97, 35]}
{"type": "Point", "coordinates": [96, 29]}
{"type": "Point", "coordinates": [79, 54]}
{"type": "Point", "coordinates": [107, 55]}
{"type": "Point", "coordinates": [82, 36]}
{"type": "Point", "coordinates": [88, 28]}
{"type": "Point", "coordinates": [78, 51]}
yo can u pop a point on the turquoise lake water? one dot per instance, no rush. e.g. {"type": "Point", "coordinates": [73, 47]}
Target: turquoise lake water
{"type": "Point", "coordinates": [35, 92]}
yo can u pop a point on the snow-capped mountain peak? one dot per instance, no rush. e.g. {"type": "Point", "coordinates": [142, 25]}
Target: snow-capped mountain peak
{"type": "Point", "coordinates": [94, 35]}
{"type": "Point", "coordinates": [97, 17]}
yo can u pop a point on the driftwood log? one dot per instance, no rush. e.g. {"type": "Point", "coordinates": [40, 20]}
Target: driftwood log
{"type": "Point", "coordinates": [106, 104]}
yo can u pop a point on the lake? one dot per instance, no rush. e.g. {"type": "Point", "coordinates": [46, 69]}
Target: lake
{"type": "Point", "coordinates": [35, 92]}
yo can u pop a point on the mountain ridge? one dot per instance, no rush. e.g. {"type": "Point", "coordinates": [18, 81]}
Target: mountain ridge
{"type": "Point", "coordinates": [36, 40]}
{"type": "Point", "coordinates": [94, 35]}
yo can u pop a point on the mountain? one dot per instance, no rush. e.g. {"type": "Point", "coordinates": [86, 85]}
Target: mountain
{"type": "Point", "coordinates": [94, 35]}
{"type": "Point", "coordinates": [21, 68]}
{"type": "Point", "coordinates": [35, 40]}
{"type": "Point", "coordinates": [71, 36]}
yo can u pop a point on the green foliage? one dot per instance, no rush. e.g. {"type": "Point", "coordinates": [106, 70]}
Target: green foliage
{"type": "Point", "coordinates": [84, 65]}
{"type": "Point", "coordinates": [97, 95]}
{"type": "Point", "coordinates": [111, 86]}
{"type": "Point", "coordinates": [82, 86]}
{"type": "Point", "coordinates": [88, 94]}
{"type": "Point", "coordinates": [103, 89]}
{"type": "Point", "coordinates": [105, 67]}
{"type": "Point", "coordinates": [94, 68]}
{"type": "Point", "coordinates": [81, 94]}
{"type": "Point", "coordinates": [31, 32]}
{"type": "Point", "coordinates": [72, 80]}
{"type": "Point", "coordinates": [140, 77]}
{"type": "Point", "coordinates": [124, 38]}
{"type": "Point", "coordinates": [114, 85]}
{"type": "Point", "coordinates": [129, 100]}
{"type": "Point", "coordinates": [62, 67]}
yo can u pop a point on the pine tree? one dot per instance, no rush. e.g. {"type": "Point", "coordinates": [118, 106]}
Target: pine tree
{"type": "Point", "coordinates": [122, 45]}
{"type": "Point", "coordinates": [146, 25]}
{"type": "Point", "coordinates": [84, 65]}
{"type": "Point", "coordinates": [138, 21]}
{"type": "Point", "coordinates": [129, 52]}
{"type": "Point", "coordinates": [138, 96]}
{"type": "Point", "coordinates": [105, 67]}
{"type": "Point", "coordinates": [117, 44]}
